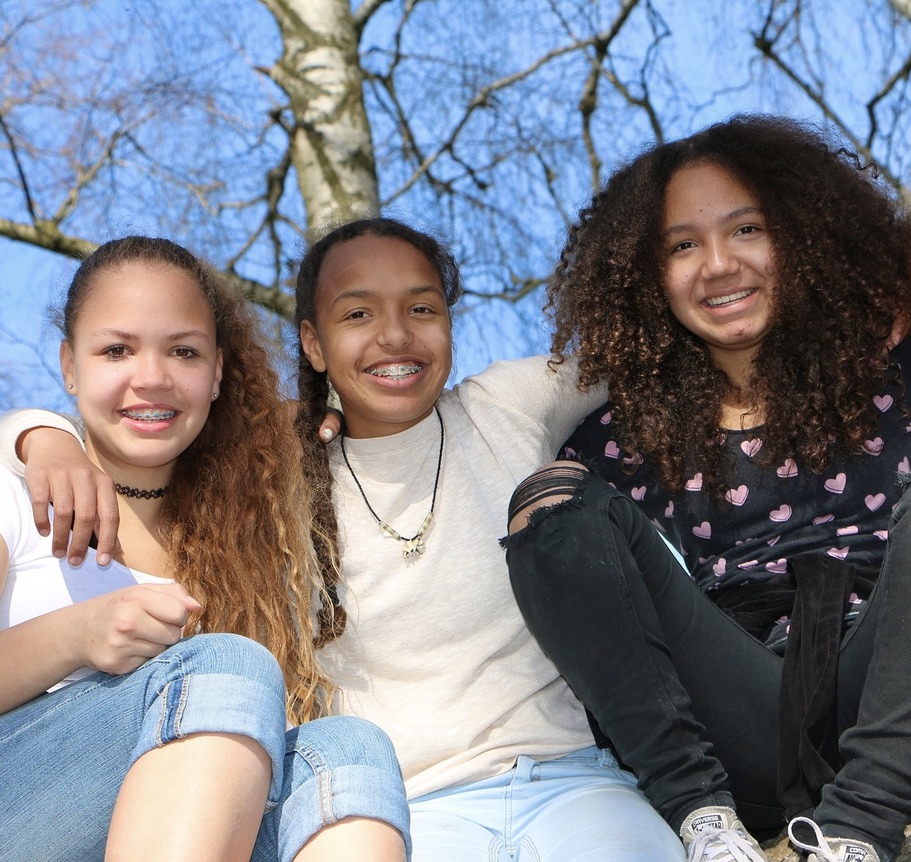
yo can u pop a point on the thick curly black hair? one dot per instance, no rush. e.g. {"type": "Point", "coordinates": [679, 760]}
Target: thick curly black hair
{"type": "Point", "coordinates": [842, 267]}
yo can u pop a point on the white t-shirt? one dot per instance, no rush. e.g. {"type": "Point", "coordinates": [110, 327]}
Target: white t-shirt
{"type": "Point", "coordinates": [37, 582]}
{"type": "Point", "coordinates": [436, 651]}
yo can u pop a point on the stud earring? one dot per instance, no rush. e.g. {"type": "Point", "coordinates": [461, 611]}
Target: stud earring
{"type": "Point", "coordinates": [70, 386]}
{"type": "Point", "coordinates": [215, 395]}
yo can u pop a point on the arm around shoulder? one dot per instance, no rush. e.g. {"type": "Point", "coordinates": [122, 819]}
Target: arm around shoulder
{"type": "Point", "coordinates": [15, 423]}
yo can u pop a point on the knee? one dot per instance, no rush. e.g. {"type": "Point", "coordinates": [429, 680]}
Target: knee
{"type": "Point", "coordinates": [230, 655]}
{"type": "Point", "coordinates": [341, 741]}
{"type": "Point", "coordinates": [552, 484]}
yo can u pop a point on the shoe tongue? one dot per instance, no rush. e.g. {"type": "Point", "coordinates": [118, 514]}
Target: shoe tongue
{"type": "Point", "coordinates": [713, 821]}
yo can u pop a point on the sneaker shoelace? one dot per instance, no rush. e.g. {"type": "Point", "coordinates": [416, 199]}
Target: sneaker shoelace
{"type": "Point", "coordinates": [722, 846]}
{"type": "Point", "coordinates": [821, 848]}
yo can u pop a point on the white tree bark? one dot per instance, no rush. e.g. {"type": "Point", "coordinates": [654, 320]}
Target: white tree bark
{"type": "Point", "coordinates": [331, 148]}
{"type": "Point", "coordinates": [903, 7]}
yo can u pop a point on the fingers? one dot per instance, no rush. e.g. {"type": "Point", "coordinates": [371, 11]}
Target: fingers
{"type": "Point", "coordinates": [107, 522]}
{"type": "Point", "coordinates": [900, 325]}
{"type": "Point", "coordinates": [331, 425]}
{"type": "Point", "coordinates": [129, 626]}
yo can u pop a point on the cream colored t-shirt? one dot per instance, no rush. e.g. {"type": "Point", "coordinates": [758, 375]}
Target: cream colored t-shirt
{"type": "Point", "coordinates": [436, 651]}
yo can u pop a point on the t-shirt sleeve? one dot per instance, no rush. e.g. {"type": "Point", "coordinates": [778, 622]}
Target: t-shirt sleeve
{"type": "Point", "coordinates": [11, 519]}
{"type": "Point", "coordinates": [546, 395]}
{"type": "Point", "coordinates": [13, 423]}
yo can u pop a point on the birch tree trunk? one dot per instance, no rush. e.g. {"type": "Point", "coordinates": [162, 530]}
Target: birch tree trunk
{"type": "Point", "coordinates": [331, 148]}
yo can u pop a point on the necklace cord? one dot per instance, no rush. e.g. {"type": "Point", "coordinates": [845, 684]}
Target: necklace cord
{"type": "Point", "coordinates": [433, 499]}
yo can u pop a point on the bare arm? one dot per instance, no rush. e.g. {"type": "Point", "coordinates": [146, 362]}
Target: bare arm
{"type": "Point", "coordinates": [114, 633]}
{"type": "Point", "coordinates": [58, 471]}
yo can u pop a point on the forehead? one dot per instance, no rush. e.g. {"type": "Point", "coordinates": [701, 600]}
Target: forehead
{"type": "Point", "coordinates": [147, 292]}
{"type": "Point", "coordinates": [376, 261]}
{"type": "Point", "coordinates": [706, 186]}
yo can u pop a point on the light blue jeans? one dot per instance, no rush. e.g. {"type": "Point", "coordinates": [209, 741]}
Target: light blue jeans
{"type": "Point", "coordinates": [579, 808]}
{"type": "Point", "coordinates": [64, 755]}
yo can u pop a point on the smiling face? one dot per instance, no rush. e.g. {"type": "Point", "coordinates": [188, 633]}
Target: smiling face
{"type": "Point", "coordinates": [718, 263]}
{"type": "Point", "coordinates": [383, 333]}
{"type": "Point", "coordinates": [144, 365]}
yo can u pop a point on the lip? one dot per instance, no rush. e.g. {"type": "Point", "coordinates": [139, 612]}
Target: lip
{"type": "Point", "coordinates": [149, 417]}
{"type": "Point", "coordinates": [728, 299]}
{"type": "Point", "coordinates": [397, 371]}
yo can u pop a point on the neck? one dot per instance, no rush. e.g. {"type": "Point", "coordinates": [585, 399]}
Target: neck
{"type": "Point", "coordinates": [736, 364]}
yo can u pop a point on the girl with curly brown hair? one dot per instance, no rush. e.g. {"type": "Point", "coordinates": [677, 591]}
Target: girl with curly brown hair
{"type": "Point", "coordinates": [738, 290]}
{"type": "Point", "coordinates": [119, 737]}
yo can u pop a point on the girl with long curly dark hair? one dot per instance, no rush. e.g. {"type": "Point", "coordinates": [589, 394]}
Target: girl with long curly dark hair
{"type": "Point", "coordinates": [739, 291]}
{"type": "Point", "coordinates": [120, 737]}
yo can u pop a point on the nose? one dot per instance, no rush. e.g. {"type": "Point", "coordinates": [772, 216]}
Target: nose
{"type": "Point", "coordinates": [150, 371]}
{"type": "Point", "coordinates": [395, 330]}
{"type": "Point", "coordinates": [719, 260]}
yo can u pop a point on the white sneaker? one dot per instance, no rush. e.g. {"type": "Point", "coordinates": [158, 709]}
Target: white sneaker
{"type": "Point", "coordinates": [715, 834]}
{"type": "Point", "coordinates": [831, 849]}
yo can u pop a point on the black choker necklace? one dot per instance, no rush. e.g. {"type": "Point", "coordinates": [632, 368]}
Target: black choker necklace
{"type": "Point", "coordinates": [141, 493]}
{"type": "Point", "coordinates": [414, 546]}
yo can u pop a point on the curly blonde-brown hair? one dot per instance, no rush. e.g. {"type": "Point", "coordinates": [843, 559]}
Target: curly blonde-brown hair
{"type": "Point", "coordinates": [842, 263]}
{"type": "Point", "coordinates": [238, 521]}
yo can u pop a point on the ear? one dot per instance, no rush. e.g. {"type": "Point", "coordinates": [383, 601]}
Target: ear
{"type": "Point", "coordinates": [68, 367]}
{"type": "Point", "coordinates": [312, 349]}
{"type": "Point", "coordinates": [219, 363]}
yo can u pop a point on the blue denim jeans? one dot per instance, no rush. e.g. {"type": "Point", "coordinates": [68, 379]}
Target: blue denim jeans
{"type": "Point", "coordinates": [579, 808]}
{"type": "Point", "coordinates": [687, 698]}
{"type": "Point", "coordinates": [64, 755]}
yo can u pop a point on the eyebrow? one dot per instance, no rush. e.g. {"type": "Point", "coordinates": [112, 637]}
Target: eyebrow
{"type": "Point", "coordinates": [366, 293]}
{"type": "Point", "coordinates": [728, 217]}
{"type": "Point", "coordinates": [132, 336]}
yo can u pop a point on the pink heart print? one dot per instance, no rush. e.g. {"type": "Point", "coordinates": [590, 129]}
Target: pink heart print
{"type": "Point", "coordinates": [846, 531]}
{"type": "Point", "coordinates": [694, 484]}
{"type": "Point", "coordinates": [823, 519]}
{"type": "Point", "coordinates": [787, 470]}
{"type": "Point", "coordinates": [669, 511]}
{"type": "Point", "coordinates": [638, 494]}
{"type": "Point", "coordinates": [904, 466]}
{"type": "Point", "coordinates": [569, 452]}
{"type": "Point", "coordinates": [751, 447]}
{"type": "Point", "coordinates": [737, 496]}
{"type": "Point", "coordinates": [881, 534]}
{"type": "Point", "coordinates": [838, 553]}
{"type": "Point", "coordinates": [749, 564]}
{"type": "Point", "coordinates": [781, 514]}
{"type": "Point", "coordinates": [874, 501]}
{"type": "Point", "coordinates": [836, 485]}
{"type": "Point", "coordinates": [777, 567]}
{"type": "Point", "coordinates": [882, 402]}
{"type": "Point", "coordinates": [607, 417]}
{"type": "Point", "coordinates": [874, 446]}
{"type": "Point", "coordinates": [703, 530]}
{"type": "Point", "coordinates": [612, 450]}
{"type": "Point", "coordinates": [720, 566]}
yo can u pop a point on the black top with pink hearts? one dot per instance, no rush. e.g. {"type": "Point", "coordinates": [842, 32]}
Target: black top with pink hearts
{"type": "Point", "coordinates": [775, 512]}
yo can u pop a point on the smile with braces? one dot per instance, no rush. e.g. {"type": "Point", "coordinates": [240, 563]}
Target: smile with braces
{"type": "Point", "coordinates": [396, 372]}
{"type": "Point", "coordinates": [150, 415]}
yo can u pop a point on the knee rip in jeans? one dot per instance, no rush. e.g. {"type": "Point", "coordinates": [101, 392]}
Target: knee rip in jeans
{"type": "Point", "coordinates": [555, 486]}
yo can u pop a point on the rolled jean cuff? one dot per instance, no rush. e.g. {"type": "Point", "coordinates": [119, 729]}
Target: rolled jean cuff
{"type": "Point", "coordinates": [335, 768]}
{"type": "Point", "coordinates": [248, 702]}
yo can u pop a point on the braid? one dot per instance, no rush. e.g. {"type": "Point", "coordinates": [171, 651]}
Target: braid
{"type": "Point", "coordinates": [313, 391]}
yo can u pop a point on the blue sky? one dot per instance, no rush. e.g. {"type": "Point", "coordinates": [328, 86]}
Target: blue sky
{"type": "Point", "coordinates": [30, 280]}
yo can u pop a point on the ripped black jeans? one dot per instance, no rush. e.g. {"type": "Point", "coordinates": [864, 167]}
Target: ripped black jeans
{"type": "Point", "coordinates": [678, 688]}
